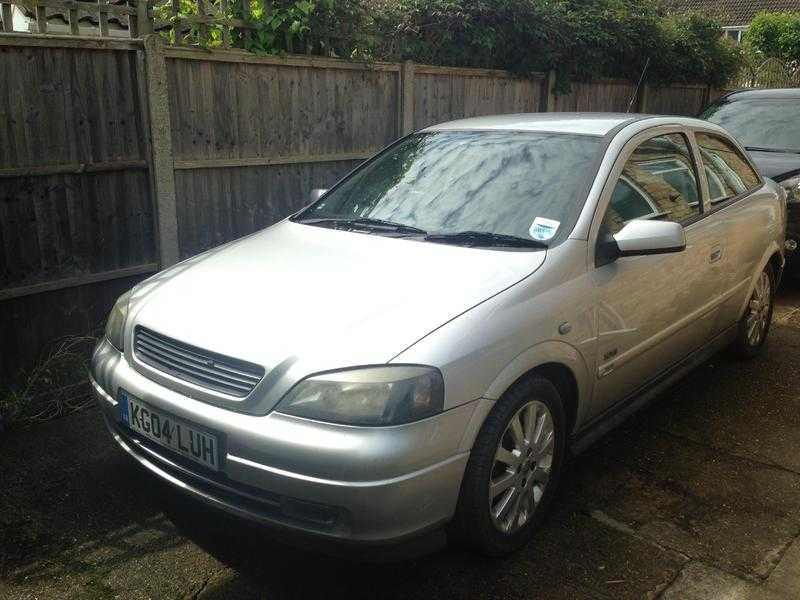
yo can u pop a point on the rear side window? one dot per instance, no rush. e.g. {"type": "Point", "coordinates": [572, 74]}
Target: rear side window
{"type": "Point", "coordinates": [657, 182]}
{"type": "Point", "coordinates": [728, 172]}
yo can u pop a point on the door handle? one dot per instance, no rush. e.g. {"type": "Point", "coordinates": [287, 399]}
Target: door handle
{"type": "Point", "coordinates": [716, 254]}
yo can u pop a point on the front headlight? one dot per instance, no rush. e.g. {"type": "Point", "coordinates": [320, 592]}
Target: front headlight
{"type": "Point", "coordinates": [116, 321]}
{"type": "Point", "coordinates": [792, 187]}
{"type": "Point", "coordinates": [368, 396]}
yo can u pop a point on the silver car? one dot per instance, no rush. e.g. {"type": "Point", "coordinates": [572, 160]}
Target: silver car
{"type": "Point", "coordinates": [423, 344]}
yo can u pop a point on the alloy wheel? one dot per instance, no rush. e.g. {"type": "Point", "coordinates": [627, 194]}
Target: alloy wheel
{"type": "Point", "coordinates": [521, 468]}
{"type": "Point", "coordinates": [758, 316]}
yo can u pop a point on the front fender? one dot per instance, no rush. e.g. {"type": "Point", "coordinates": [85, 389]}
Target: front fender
{"type": "Point", "coordinates": [548, 352]}
{"type": "Point", "coordinates": [552, 351]}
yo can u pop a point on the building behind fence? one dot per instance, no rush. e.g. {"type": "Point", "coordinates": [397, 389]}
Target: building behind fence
{"type": "Point", "coordinates": [122, 156]}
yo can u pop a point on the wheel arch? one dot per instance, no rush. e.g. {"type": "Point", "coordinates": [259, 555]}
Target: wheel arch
{"type": "Point", "coordinates": [564, 381]}
{"type": "Point", "coordinates": [558, 362]}
{"type": "Point", "coordinates": [772, 256]}
{"type": "Point", "coordinates": [776, 260]}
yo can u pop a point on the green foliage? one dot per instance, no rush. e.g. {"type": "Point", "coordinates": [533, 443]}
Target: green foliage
{"type": "Point", "coordinates": [774, 35]}
{"type": "Point", "coordinates": [280, 28]}
{"type": "Point", "coordinates": [579, 39]}
{"type": "Point", "coordinates": [691, 49]}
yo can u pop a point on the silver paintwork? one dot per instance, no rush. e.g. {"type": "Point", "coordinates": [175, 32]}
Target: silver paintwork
{"type": "Point", "coordinates": [522, 463]}
{"type": "Point", "coordinates": [587, 123]}
{"type": "Point", "coordinates": [300, 300]}
{"type": "Point", "coordinates": [641, 237]}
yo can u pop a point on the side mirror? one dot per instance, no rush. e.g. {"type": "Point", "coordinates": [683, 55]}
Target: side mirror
{"type": "Point", "coordinates": [317, 193]}
{"type": "Point", "coordinates": [644, 236]}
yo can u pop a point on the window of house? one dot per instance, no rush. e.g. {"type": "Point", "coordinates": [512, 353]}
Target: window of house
{"type": "Point", "coordinates": [657, 182]}
{"type": "Point", "coordinates": [728, 172]}
{"type": "Point", "coordinates": [734, 33]}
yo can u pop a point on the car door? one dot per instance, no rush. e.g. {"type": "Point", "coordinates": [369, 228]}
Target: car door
{"type": "Point", "coordinates": [651, 311]}
{"type": "Point", "coordinates": [731, 179]}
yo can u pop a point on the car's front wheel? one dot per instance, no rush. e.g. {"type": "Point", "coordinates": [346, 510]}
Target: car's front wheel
{"type": "Point", "coordinates": [754, 324]}
{"type": "Point", "coordinates": [513, 469]}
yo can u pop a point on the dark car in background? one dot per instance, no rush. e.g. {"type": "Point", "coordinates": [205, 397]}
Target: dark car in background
{"type": "Point", "coordinates": [767, 123]}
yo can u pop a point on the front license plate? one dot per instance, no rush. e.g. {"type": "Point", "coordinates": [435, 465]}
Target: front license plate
{"type": "Point", "coordinates": [170, 432]}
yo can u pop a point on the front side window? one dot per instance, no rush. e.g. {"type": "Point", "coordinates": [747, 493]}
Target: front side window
{"type": "Point", "coordinates": [658, 182]}
{"type": "Point", "coordinates": [500, 182]}
{"type": "Point", "coordinates": [728, 172]}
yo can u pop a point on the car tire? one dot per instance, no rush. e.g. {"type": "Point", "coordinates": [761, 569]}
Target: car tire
{"type": "Point", "coordinates": [754, 325]}
{"type": "Point", "coordinates": [480, 520]}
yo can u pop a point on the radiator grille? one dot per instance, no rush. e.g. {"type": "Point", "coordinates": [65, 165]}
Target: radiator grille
{"type": "Point", "coordinates": [201, 367]}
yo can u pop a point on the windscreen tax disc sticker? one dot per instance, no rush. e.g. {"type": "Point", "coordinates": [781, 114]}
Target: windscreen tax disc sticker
{"type": "Point", "coordinates": [543, 229]}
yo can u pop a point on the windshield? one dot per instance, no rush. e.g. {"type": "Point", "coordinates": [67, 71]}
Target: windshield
{"type": "Point", "coordinates": [760, 124]}
{"type": "Point", "coordinates": [530, 185]}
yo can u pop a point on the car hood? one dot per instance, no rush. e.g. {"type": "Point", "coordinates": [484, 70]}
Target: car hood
{"type": "Point", "coordinates": [776, 165]}
{"type": "Point", "coordinates": [299, 299]}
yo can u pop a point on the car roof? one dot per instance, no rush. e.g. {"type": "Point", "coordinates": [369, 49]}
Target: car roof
{"type": "Point", "coordinates": [585, 123]}
{"type": "Point", "coordinates": [770, 93]}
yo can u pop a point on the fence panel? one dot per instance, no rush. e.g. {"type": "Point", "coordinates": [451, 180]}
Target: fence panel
{"type": "Point", "coordinates": [252, 136]}
{"type": "Point", "coordinates": [74, 188]}
{"type": "Point", "coordinates": [76, 211]}
{"type": "Point", "coordinates": [677, 100]}
{"type": "Point", "coordinates": [444, 94]}
{"type": "Point", "coordinates": [602, 96]}
{"type": "Point", "coordinates": [217, 205]}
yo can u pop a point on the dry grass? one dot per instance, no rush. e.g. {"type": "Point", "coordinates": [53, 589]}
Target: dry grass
{"type": "Point", "coordinates": [56, 386]}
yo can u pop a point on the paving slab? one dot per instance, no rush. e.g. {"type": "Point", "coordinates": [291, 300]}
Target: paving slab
{"type": "Point", "coordinates": [785, 578]}
{"type": "Point", "coordinates": [701, 582]}
{"type": "Point", "coordinates": [747, 408]}
{"type": "Point", "coordinates": [734, 513]}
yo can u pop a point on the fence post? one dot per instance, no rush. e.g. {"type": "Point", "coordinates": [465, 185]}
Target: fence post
{"type": "Point", "coordinates": [644, 98]}
{"type": "Point", "coordinates": [406, 103]}
{"type": "Point", "coordinates": [143, 23]}
{"type": "Point", "coordinates": [711, 94]}
{"type": "Point", "coordinates": [161, 149]}
{"type": "Point", "coordinates": [550, 99]}
{"type": "Point", "coordinates": [8, 19]}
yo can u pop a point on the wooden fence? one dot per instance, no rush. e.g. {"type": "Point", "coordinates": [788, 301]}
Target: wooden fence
{"type": "Point", "coordinates": [769, 73]}
{"type": "Point", "coordinates": [120, 157]}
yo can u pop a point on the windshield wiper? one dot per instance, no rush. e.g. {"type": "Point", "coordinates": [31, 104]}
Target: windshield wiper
{"type": "Point", "coordinates": [484, 238]}
{"type": "Point", "coordinates": [364, 223]}
{"type": "Point", "coordinates": [778, 150]}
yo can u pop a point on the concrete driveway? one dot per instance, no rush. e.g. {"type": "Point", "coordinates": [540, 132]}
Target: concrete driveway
{"type": "Point", "coordinates": [696, 497]}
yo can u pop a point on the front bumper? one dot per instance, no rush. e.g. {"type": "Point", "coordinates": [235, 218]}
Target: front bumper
{"type": "Point", "coordinates": [364, 484]}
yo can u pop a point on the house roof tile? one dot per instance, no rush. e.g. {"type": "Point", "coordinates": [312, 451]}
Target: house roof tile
{"type": "Point", "coordinates": [734, 12]}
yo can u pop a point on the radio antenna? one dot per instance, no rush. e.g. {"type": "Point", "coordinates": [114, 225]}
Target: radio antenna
{"type": "Point", "coordinates": [638, 85]}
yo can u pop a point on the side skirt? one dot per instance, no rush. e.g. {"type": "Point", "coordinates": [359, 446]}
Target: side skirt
{"type": "Point", "coordinates": [620, 412]}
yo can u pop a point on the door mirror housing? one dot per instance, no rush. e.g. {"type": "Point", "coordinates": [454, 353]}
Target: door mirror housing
{"type": "Point", "coordinates": [641, 237]}
{"type": "Point", "coordinates": [317, 193]}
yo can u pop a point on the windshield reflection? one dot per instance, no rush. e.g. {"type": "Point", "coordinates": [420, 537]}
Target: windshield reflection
{"type": "Point", "coordinates": [488, 181]}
